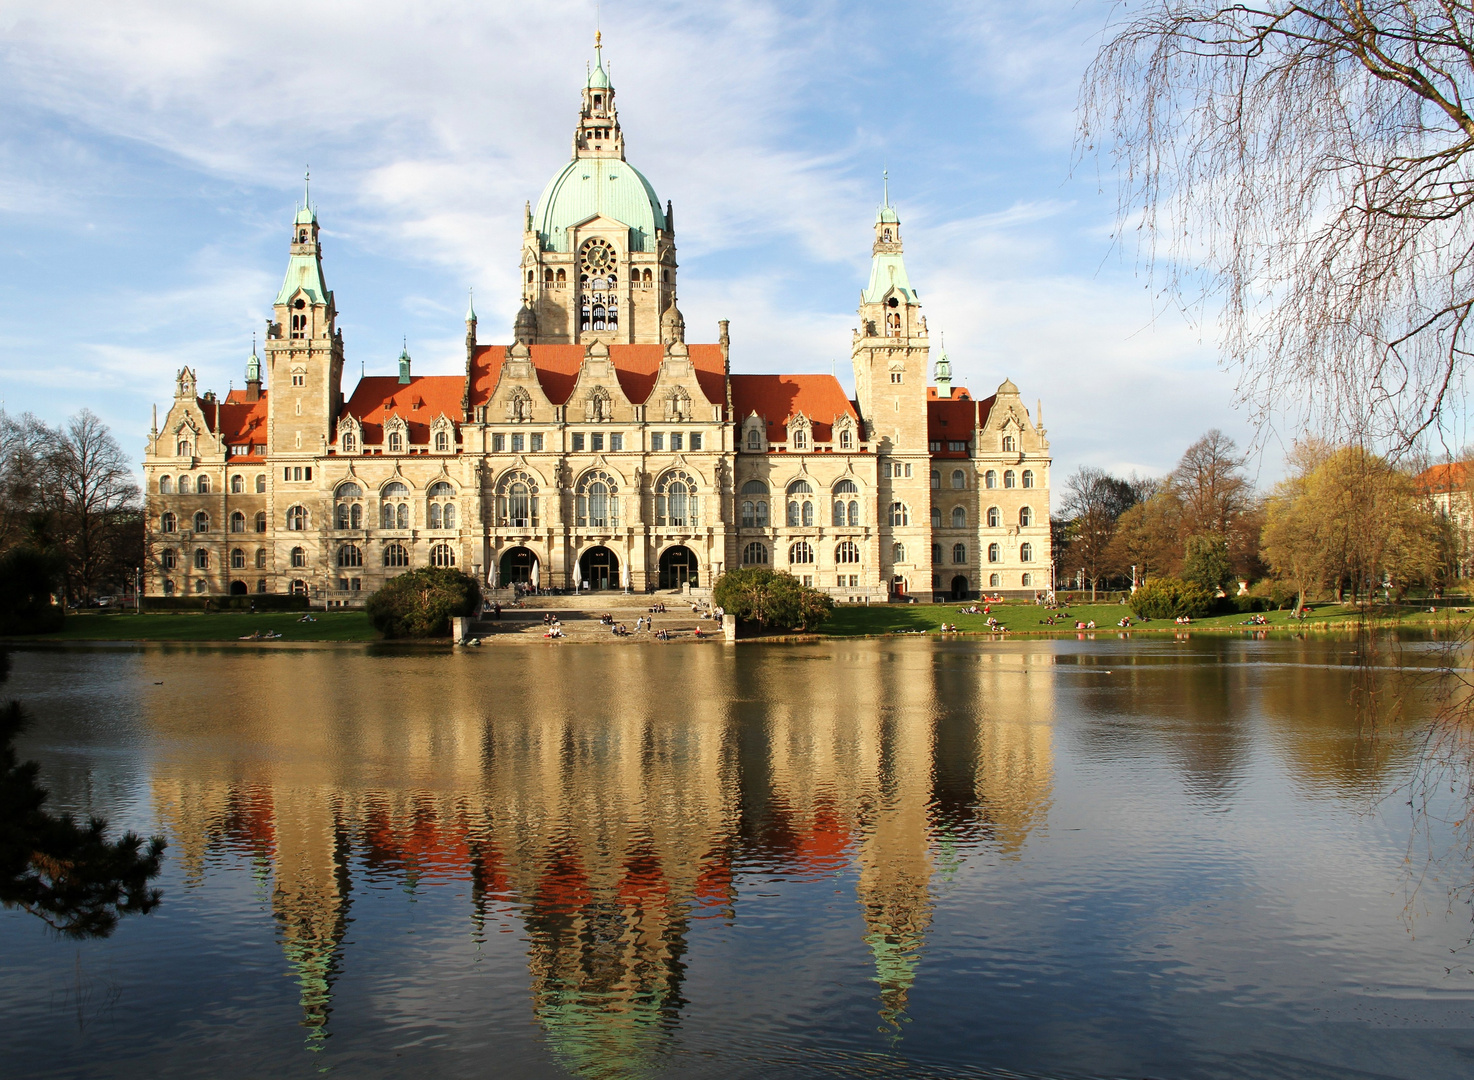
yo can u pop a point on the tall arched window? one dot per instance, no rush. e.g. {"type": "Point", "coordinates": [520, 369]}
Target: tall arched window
{"type": "Point", "coordinates": [516, 501]}
{"type": "Point", "coordinates": [800, 503]}
{"type": "Point", "coordinates": [1009, 444]}
{"type": "Point", "coordinates": [201, 521]}
{"type": "Point", "coordinates": [442, 513]}
{"type": "Point", "coordinates": [1009, 479]}
{"type": "Point", "coordinates": [349, 509]}
{"type": "Point", "coordinates": [936, 517]}
{"type": "Point", "coordinates": [168, 558]}
{"type": "Point", "coordinates": [298, 587]}
{"type": "Point", "coordinates": [394, 506]}
{"type": "Point", "coordinates": [296, 518]}
{"type": "Point", "coordinates": [442, 555]}
{"type": "Point", "coordinates": [237, 522]}
{"type": "Point", "coordinates": [841, 504]}
{"type": "Point", "coordinates": [847, 552]}
{"type": "Point", "coordinates": [1025, 516]}
{"type": "Point", "coordinates": [995, 517]}
{"type": "Point", "coordinates": [184, 486]}
{"type": "Point", "coordinates": [350, 555]}
{"type": "Point", "coordinates": [846, 439]}
{"type": "Point", "coordinates": [755, 505]}
{"type": "Point", "coordinates": [1026, 553]}
{"type": "Point", "coordinates": [899, 514]}
{"type": "Point", "coordinates": [755, 554]}
{"type": "Point", "coordinates": [959, 554]}
{"type": "Point", "coordinates": [936, 480]}
{"type": "Point", "coordinates": [350, 442]}
{"type": "Point", "coordinates": [597, 501]}
{"type": "Point", "coordinates": [959, 517]}
{"type": "Point", "coordinates": [260, 483]}
{"type": "Point", "coordinates": [260, 521]}
{"type": "Point", "coordinates": [990, 479]}
{"type": "Point", "coordinates": [395, 555]}
{"type": "Point", "coordinates": [201, 559]}
{"type": "Point", "coordinates": [936, 554]}
{"type": "Point", "coordinates": [801, 552]}
{"type": "Point", "coordinates": [168, 523]}
{"type": "Point", "coordinates": [676, 501]}
{"type": "Point", "coordinates": [898, 553]}
{"type": "Point", "coordinates": [237, 484]}
{"type": "Point", "coordinates": [754, 439]}
{"type": "Point", "coordinates": [166, 486]}
{"type": "Point", "coordinates": [260, 558]}
{"type": "Point", "coordinates": [396, 442]}
{"type": "Point", "coordinates": [959, 480]}
{"type": "Point", "coordinates": [995, 553]}
{"type": "Point", "coordinates": [237, 559]}
{"type": "Point", "coordinates": [442, 442]}
{"type": "Point", "coordinates": [203, 485]}
{"type": "Point", "coordinates": [995, 580]}
{"type": "Point", "coordinates": [1028, 478]}
{"type": "Point", "coordinates": [299, 556]}
{"type": "Point", "coordinates": [182, 449]}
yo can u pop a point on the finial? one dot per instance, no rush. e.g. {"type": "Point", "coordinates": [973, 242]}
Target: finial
{"type": "Point", "coordinates": [470, 305]}
{"type": "Point", "coordinates": [886, 179]}
{"type": "Point", "coordinates": [306, 187]}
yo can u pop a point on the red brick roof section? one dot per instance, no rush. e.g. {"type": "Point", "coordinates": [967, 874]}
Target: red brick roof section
{"type": "Point", "coordinates": [636, 367]}
{"type": "Point", "coordinates": [417, 402]}
{"type": "Point", "coordinates": [950, 420]}
{"type": "Point", "coordinates": [959, 393]}
{"type": "Point", "coordinates": [242, 423]}
{"type": "Point", "coordinates": [1443, 478]}
{"type": "Point", "coordinates": [777, 397]}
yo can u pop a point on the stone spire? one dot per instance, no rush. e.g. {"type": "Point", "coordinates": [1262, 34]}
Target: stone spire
{"type": "Point", "coordinates": [598, 134]}
{"type": "Point", "coordinates": [944, 373]}
{"type": "Point", "coordinates": [253, 374]}
{"type": "Point", "coordinates": [404, 364]}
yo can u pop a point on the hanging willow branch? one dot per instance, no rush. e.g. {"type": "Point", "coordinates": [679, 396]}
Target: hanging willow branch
{"type": "Point", "coordinates": [1307, 167]}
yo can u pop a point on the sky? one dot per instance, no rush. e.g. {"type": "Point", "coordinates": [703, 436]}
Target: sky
{"type": "Point", "coordinates": [152, 154]}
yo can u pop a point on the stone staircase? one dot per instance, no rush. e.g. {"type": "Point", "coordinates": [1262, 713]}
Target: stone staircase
{"type": "Point", "coordinates": [579, 616]}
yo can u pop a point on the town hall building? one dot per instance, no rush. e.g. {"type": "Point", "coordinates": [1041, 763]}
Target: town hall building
{"type": "Point", "coordinates": [599, 448]}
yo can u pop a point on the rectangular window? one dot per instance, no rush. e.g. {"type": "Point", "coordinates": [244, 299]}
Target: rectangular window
{"type": "Point", "coordinates": [596, 440]}
{"type": "Point", "coordinates": [675, 440]}
{"type": "Point", "coordinates": [616, 440]}
{"type": "Point", "coordinates": [297, 473]}
{"type": "Point", "coordinates": [908, 469]}
{"type": "Point", "coordinates": [498, 443]}
{"type": "Point", "coordinates": [343, 584]}
{"type": "Point", "coordinates": [657, 440]}
{"type": "Point", "coordinates": [537, 441]}
{"type": "Point", "coordinates": [695, 440]}
{"type": "Point", "coordinates": [895, 376]}
{"type": "Point", "coordinates": [355, 584]}
{"type": "Point", "coordinates": [957, 447]}
{"type": "Point", "coordinates": [577, 441]}
{"type": "Point", "coordinates": [935, 446]}
{"type": "Point", "coordinates": [809, 580]}
{"type": "Point", "coordinates": [518, 441]}
{"type": "Point", "coordinates": [286, 474]}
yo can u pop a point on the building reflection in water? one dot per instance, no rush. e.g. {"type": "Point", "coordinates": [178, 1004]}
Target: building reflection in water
{"type": "Point", "coordinates": [608, 800]}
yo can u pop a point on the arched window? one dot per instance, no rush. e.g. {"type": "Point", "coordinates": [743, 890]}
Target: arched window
{"type": "Point", "coordinates": [201, 521]}
{"type": "Point", "coordinates": [1009, 479]}
{"type": "Point", "coordinates": [995, 517]}
{"type": "Point", "coordinates": [394, 506]}
{"type": "Point", "coordinates": [898, 553]}
{"type": "Point", "coordinates": [755, 554]}
{"type": "Point", "coordinates": [801, 552]}
{"type": "Point", "coordinates": [168, 523]}
{"type": "Point", "coordinates": [990, 479]}
{"type": "Point", "coordinates": [201, 559]}
{"type": "Point", "coordinates": [1025, 517]}
{"type": "Point", "coordinates": [350, 555]}
{"type": "Point", "coordinates": [203, 485]}
{"type": "Point", "coordinates": [899, 514]}
{"type": "Point", "coordinates": [754, 439]}
{"type": "Point", "coordinates": [350, 444]}
{"type": "Point", "coordinates": [1026, 553]}
{"type": "Point", "coordinates": [516, 501]}
{"type": "Point", "coordinates": [182, 450]}
{"type": "Point", "coordinates": [237, 522]}
{"type": "Point", "coordinates": [442, 515]}
{"type": "Point", "coordinates": [298, 587]}
{"type": "Point", "coordinates": [959, 553]}
{"type": "Point", "coordinates": [349, 508]}
{"type": "Point", "coordinates": [260, 558]}
{"type": "Point", "coordinates": [260, 483]}
{"type": "Point", "coordinates": [237, 559]}
{"type": "Point", "coordinates": [1009, 445]}
{"type": "Point", "coordinates": [168, 558]}
{"type": "Point", "coordinates": [847, 552]}
{"type": "Point", "coordinates": [846, 487]}
{"type": "Point", "coordinates": [800, 487]}
{"type": "Point", "coordinates": [936, 517]}
{"type": "Point", "coordinates": [755, 510]}
{"type": "Point", "coordinates": [800, 439]}
{"type": "Point", "coordinates": [168, 588]}
{"type": "Point", "coordinates": [237, 484]}
{"type": "Point", "coordinates": [296, 518]}
{"type": "Point", "coordinates": [995, 553]}
{"type": "Point", "coordinates": [1028, 478]}
{"type": "Point", "coordinates": [562, 279]}
{"type": "Point", "coordinates": [854, 513]}
{"type": "Point", "coordinates": [936, 480]}
{"type": "Point", "coordinates": [442, 555]}
{"type": "Point", "coordinates": [184, 485]}
{"type": "Point", "coordinates": [166, 486]}
{"type": "Point", "coordinates": [260, 521]}
{"type": "Point", "coordinates": [675, 500]}
{"type": "Point", "coordinates": [442, 442]}
{"type": "Point", "coordinates": [548, 277]}
{"type": "Point", "coordinates": [1027, 580]}
{"type": "Point", "coordinates": [995, 580]}
{"type": "Point", "coordinates": [395, 555]}
{"type": "Point", "coordinates": [959, 480]}
{"type": "Point", "coordinates": [200, 586]}
{"type": "Point", "coordinates": [959, 517]}
{"type": "Point", "coordinates": [936, 554]}
{"type": "Point", "coordinates": [846, 439]}
{"type": "Point", "coordinates": [597, 501]}
{"type": "Point", "coordinates": [396, 442]}
{"type": "Point", "coordinates": [299, 556]}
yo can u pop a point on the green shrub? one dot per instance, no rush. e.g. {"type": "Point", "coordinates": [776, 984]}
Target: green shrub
{"type": "Point", "coordinates": [422, 602]}
{"type": "Point", "coordinates": [1205, 563]}
{"type": "Point", "coordinates": [28, 577]}
{"type": "Point", "coordinates": [771, 599]}
{"type": "Point", "coordinates": [1171, 598]}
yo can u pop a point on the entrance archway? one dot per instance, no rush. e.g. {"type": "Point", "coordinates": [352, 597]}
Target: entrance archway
{"type": "Point", "coordinates": [600, 568]}
{"type": "Point", "coordinates": [516, 566]}
{"type": "Point", "coordinates": [959, 588]}
{"type": "Point", "coordinates": [898, 586]}
{"type": "Point", "coordinates": [678, 567]}
{"type": "Point", "coordinates": [238, 588]}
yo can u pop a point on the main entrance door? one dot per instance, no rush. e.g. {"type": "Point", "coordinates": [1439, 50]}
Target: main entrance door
{"type": "Point", "coordinates": [959, 588]}
{"type": "Point", "coordinates": [600, 568]}
{"type": "Point", "coordinates": [677, 567]}
{"type": "Point", "coordinates": [516, 566]}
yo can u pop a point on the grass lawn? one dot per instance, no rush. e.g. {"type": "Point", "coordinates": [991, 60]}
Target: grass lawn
{"type": "Point", "coordinates": [219, 626]}
{"type": "Point", "coordinates": [852, 620]}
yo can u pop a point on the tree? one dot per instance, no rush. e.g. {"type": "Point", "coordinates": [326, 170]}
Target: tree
{"type": "Point", "coordinates": [772, 599]}
{"type": "Point", "coordinates": [1205, 563]}
{"type": "Point", "coordinates": [1310, 164]}
{"type": "Point", "coordinates": [1210, 485]}
{"type": "Point", "coordinates": [94, 507]}
{"type": "Point", "coordinates": [421, 603]}
{"type": "Point", "coordinates": [1149, 536]}
{"type": "Point", "coordinates": [1093, 501]}
{"type": "Point", "coordinates": [26, 445]}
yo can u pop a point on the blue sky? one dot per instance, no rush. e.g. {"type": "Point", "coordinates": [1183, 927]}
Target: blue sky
{"type": "Point", "coordinates": [151, 154]}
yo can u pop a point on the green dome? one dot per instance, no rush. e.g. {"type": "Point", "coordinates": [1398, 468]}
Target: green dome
{"type": "Point", "coordinates": [586, 187]}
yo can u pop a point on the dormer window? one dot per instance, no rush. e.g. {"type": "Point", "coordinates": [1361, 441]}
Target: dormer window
{"type": "Point", "coordinates": [396, 443]}
{"type": "Point", "coordinates": [1010, 445]}
{"type": "Point", "coordinates": [754, 440]}
{"type": "Point", "coordinates": [846, 439]}
{"type": "Point", "coordinates": [800, 440]}
{"type": "Point", "coordinates": [350, 444]}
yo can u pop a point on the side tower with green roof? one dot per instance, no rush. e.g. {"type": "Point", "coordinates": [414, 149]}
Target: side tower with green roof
{"type": "Point", "coordinates": [598, 252]}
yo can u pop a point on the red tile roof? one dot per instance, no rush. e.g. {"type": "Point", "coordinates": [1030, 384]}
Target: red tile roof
{"type": "Point", "coordinates": [636, 366]}
{"type": "Point", "coordinates": [959, 393]}
{"type": "Point", "coordinates": [777, 397]}
{"type": "Point", "coordinates": [241, 422]}
{"type": "Point", "coordinates": [418, 402]}
{"type": "Point", "coordinates": [1444, 478]}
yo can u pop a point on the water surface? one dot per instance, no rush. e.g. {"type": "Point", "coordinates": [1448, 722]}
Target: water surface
{"type": "Point", "coordinates": [883, 858]}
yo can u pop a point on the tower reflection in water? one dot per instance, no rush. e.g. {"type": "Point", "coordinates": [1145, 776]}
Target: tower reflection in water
{"type": "Point", "coordinates": [608, 800]}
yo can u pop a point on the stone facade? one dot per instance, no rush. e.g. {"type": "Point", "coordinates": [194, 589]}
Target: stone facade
{"type": "Point", "coordinates": [598, 448]}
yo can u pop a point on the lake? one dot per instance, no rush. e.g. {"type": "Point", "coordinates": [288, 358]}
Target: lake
{"type": "Point", "coordinates": [895, 857]}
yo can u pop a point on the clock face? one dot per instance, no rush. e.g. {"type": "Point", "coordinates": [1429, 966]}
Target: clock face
{"type": "Point", "coordinates": [598, 257]}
